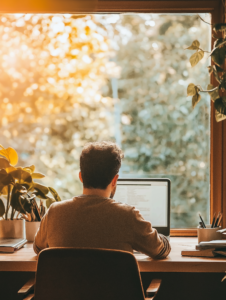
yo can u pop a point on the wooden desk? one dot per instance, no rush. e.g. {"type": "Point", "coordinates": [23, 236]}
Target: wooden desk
{"type": "Point", "coordinates": [25, 260]}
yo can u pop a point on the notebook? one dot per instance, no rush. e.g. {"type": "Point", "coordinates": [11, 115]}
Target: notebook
{"type": "Point", "coordinates": [199, 253]}
{"type": "Point", "coordinates": [11, 245]}
{"type": "Point", "coordinates": [216, 244]}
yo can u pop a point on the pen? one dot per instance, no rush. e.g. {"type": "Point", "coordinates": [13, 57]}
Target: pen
{"type": "Point", "coordinates": [203, 224]}
{"type": "Point", "coordinates": [213, 222]}
{"type": "Point", "coordinates": [218, 216]}
{"type": "Point", "coordinates": [200, 224]}
{"type": "Point", "coordinates": [219, 221]}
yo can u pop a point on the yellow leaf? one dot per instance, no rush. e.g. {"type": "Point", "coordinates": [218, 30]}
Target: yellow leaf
{"type": "Point", "coordinates": [215, 94]}
{"type": "Point", "coordinates": [191, 90]}
{"type": "Point", "coordinates": [194, 46]}
{"type": "Point", "coordinates": [10, 154]}
{"type": "Point", "coordinates": [29, 169]}
{"type": "Point", "coordinates": [10, 169]}
{"type": "Point", "coordinates": [4, 190]}
{"type": "Point", "coordinates": [37, 175]}
{"type": "Point", "coordinates": [219, 117]}
{"type": "Point", "coordinates": [195, 100]}
{"type": "Point", "coordinates": [4, 163]}
{"type": "Point", "coordinates": [196, 57]}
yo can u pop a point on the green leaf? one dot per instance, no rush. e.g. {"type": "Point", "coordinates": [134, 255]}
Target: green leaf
{"type": "Point", "coordinates": [194, 46]}
{"type": "Point", "coordinates": [219, 27]}
{"type": "Point", "coordinates": [55, 194]}
{"type": "Point", "coordinates": [223, 85]}
{"type": "Point", "coordinates": [49, 201]}
{"type": "Point", "coordinates": [215, 69]}
{"type": "Point", "coordinates": [214, 94]}
{"type": "Point", "coordinates": [25, 203]}
{"type": "Point", "coordinates": [37, 175]}
{"type": "Point", "coordinates": [196, 57]}
{"type": "Point", "coordinates": [22, 177]}
{"type": "Point", "coordinates": [40, 187]}
{"type": "Point", "coordinates": [5, 180]}
{"type": "Point", "coordinates": [210, 69]}
{"type": "Point", "coordinates": [18, 200]}
{"type": "Point", "coordinates": [2, 208]}
{"type": "Point", "coordinates": [218, 55]}
{"type": "Point", "coordinates": [40, 194]}
{"type": "Point", "coordinates": [220, 105]}
{"type": "Point", "coordinates": [219, 69]}
{"type": "Point", "coordinates": [195, 100]}
{"type": "Point", "coordinates": [191, 90]}
{"type": "Point", "coordinates": [219, 117]}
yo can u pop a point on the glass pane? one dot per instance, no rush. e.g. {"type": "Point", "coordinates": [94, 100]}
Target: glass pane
{"type": "Point", "coordinates": [69, 79]}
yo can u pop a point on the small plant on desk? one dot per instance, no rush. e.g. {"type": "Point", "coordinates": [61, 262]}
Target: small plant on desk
{"type": "Point", "coordinates": [18, 189]}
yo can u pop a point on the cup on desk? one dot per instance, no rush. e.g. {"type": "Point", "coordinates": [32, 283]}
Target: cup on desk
{"type": "Point", "coordinates": [208, 234]}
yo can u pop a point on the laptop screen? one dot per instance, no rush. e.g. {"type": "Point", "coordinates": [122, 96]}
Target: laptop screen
{"type": "Point", "coordinates": [150, 197]}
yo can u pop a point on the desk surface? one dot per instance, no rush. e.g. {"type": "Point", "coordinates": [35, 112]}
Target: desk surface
{"type": "Point", "coordinates": [25, 260]}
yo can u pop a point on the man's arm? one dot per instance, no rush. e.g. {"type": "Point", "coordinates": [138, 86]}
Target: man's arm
{"type": "Point", "coordinates": [41, 241]}
{"type": "Point", "coordinates": [147, 240]}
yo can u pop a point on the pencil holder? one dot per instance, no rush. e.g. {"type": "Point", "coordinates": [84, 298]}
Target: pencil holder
{"type": "Point", "coordinates": [208, 234]}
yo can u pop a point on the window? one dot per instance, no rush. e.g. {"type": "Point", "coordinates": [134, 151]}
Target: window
{"type": "Point", "coordinates": [69, 79]}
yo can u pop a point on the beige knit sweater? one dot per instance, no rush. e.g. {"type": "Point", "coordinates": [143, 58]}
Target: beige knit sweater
{"type": "Point", "coordinates": [91, 221]}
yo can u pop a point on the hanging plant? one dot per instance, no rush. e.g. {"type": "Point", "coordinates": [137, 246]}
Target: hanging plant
{"type": "Point", "coordinates": [218, 56]}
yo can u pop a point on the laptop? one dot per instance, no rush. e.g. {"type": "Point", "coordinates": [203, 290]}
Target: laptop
{"type": "Point", "coordinates": [151, 197]}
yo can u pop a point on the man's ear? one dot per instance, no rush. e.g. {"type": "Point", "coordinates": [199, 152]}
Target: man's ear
{"type": "Point", "coordinates": [114, 181]}
{"type": "Point", "coordinates": [80, 176]}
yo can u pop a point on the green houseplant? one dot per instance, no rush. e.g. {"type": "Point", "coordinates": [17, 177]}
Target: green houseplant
{"type": "Point", "coordinates": [218, 56]}
{"type": "Point", "coordinates": [17, 188]}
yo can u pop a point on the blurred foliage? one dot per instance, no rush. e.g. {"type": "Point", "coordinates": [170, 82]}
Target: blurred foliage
{"type": "Point", "coordinates": [160, 134]}
{"type": "Point", "coordinates": [67, 80]}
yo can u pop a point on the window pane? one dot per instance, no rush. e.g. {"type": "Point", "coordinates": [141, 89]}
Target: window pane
{"type": "Point", "coordinates": [69, 79]}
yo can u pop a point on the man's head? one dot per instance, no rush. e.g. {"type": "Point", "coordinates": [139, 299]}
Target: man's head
{"type": "Point", "coordinates": [99, 164]}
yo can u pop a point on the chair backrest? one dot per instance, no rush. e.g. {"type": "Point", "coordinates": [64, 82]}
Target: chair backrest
{"type": "Point", "coordinates": [87, 274]}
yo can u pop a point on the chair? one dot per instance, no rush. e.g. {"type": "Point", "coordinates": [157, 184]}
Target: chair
{"type": "Point", "coordinates": [85, 274]}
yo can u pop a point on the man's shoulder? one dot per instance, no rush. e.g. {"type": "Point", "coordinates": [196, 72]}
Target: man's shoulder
{"type": "Point", "coordinates": [106, 204]}
{"type": "Point", "coordinates": [61, 204]}
{"type": "Point", "coordinates": [122, 206]}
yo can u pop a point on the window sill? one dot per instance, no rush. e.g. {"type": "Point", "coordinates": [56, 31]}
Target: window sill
{"type": "Point", "coordinates": [183, 232]}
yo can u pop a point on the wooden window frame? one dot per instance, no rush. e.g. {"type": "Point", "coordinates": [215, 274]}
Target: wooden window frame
{"type": "Point", "coordinates": [218, 130]}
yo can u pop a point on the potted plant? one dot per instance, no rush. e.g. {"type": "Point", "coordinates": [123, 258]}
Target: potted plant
{"type": "Point", "coordinates": [18, 193]}
{"type": "Point", "coordinates": [33, 219]}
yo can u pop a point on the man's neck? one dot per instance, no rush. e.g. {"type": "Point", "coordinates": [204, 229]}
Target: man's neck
{"type": "Point", "coordinates": [97, 192]}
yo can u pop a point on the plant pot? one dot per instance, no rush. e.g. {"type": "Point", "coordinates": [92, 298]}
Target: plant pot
{"type": "Point", "coordinates": [12, 229]}
{"type": "Point", "coordinates": [31, 229]}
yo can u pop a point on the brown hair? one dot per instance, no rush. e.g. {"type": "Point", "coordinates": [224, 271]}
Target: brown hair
{"type": "Point", "coordinates": [99, 163]}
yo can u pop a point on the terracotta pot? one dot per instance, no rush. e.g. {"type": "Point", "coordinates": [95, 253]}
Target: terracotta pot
{"type": "Point", "coordinates": [12, 229]}
{"type": "Point", "coordinates": [31, 229]}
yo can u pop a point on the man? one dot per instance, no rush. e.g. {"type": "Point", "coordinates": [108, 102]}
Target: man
{"type": "Point", "coordinates": [94, 219]}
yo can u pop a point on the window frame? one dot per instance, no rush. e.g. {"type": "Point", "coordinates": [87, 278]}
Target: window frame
{"type": "Point", "coordinates": [218, 130]}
